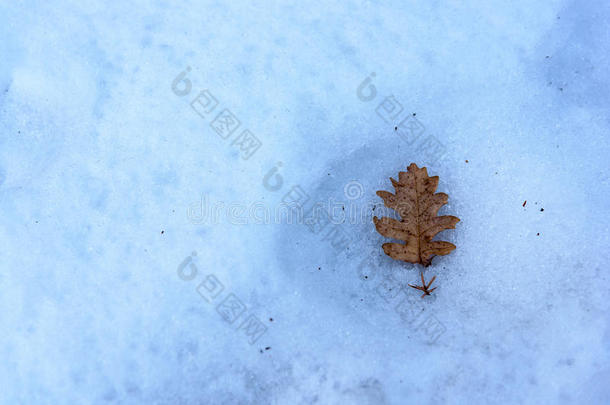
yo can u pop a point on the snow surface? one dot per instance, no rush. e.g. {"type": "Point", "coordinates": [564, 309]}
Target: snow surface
{"type": "Point", "coordinates": [109, 163]}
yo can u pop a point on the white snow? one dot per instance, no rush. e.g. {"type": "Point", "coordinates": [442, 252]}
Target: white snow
{"type": "Point", "coordinates": [110, 180]}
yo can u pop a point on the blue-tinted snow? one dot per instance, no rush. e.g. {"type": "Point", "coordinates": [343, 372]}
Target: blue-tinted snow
{"type": "Point", "coordinates": [119, 284]}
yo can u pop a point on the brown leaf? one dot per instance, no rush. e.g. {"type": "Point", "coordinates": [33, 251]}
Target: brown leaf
{"type": "Point", "coordinates": [425, 288]}
{"type": "Point", "coordinates": [417, 204]}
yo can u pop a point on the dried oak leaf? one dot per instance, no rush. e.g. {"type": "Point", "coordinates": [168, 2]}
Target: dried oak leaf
{"type": "Point", "coordinates": [417, 204]}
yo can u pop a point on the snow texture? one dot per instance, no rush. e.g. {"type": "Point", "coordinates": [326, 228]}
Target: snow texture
{"type": "Point", "coordinates": [163, 165]}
